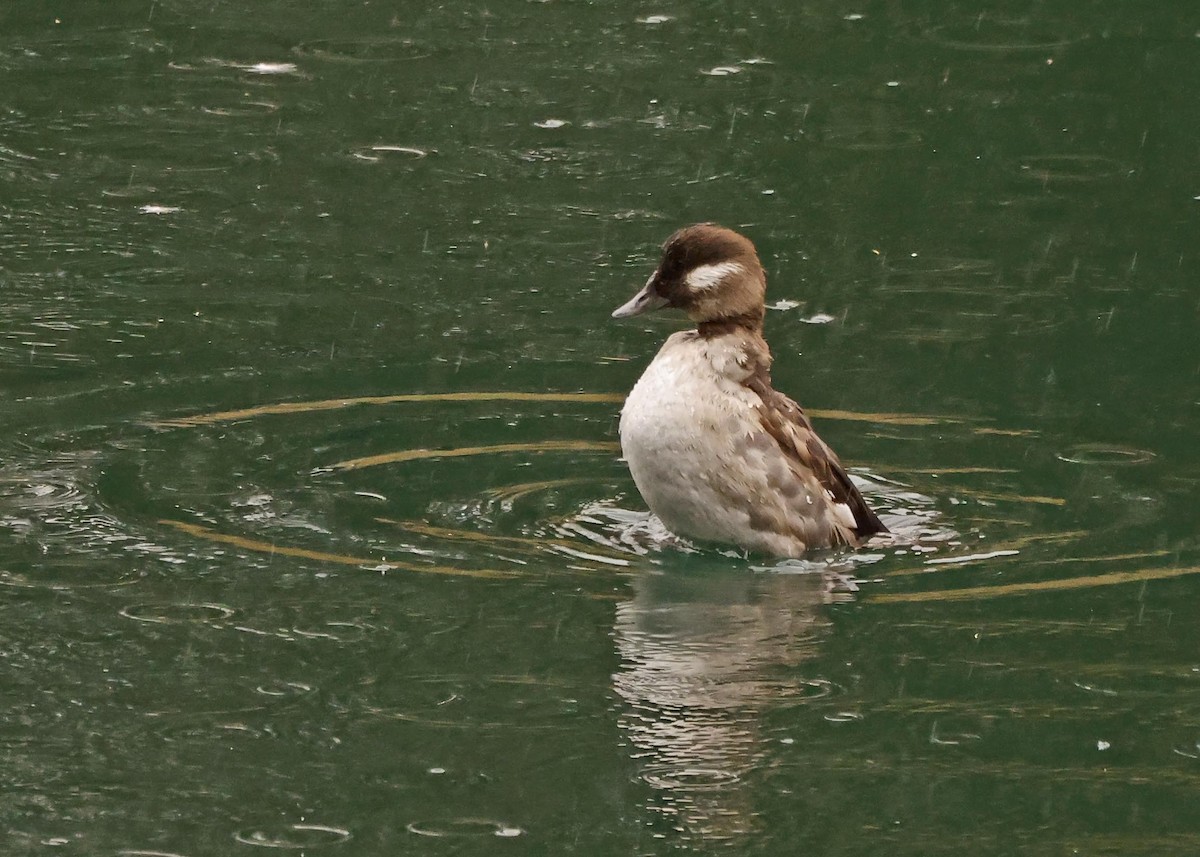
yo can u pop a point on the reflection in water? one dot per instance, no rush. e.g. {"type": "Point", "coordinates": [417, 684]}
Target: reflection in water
{"type": "Point", "coordinates": [704, 656]}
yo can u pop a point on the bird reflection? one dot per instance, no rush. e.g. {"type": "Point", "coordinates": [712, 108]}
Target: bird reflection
{"type": "Point", "coordinates": [704, 656]}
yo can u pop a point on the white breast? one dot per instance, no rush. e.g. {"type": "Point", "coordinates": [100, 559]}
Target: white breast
{"type": "Point", "coordinates": [694, 444]}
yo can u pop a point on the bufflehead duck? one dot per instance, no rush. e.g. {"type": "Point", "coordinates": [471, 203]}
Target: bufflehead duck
{"type": "Point", "coordinates": [716, 452]}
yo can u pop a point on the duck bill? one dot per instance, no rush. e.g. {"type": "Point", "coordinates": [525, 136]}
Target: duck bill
{"type": "Point", "coordinates": [644, 301]}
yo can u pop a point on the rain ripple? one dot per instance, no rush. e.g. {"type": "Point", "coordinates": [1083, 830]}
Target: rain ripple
{"type": "Point", "coordinates": [464, 827]}
{"type": "Point", "coordinates": [294, 836]}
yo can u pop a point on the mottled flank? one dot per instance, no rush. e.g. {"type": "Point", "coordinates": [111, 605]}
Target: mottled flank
{"type": "Point", "coordinates": [717, 453]}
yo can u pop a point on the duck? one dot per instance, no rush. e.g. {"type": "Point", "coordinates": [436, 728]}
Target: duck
{"type": "Point", "coordinates": [718, 454]}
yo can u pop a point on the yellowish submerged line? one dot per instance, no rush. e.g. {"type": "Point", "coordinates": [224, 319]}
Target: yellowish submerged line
{"type": "Point", "coordinates": [948, 471]}
{"type": "Point", "coordinates": [1013, 498]}
{"type": "Point", "coordinates": [1007, 432]}
{"type": "Point", "coordinates": [459, 452]}
{"type": "Point", "coordinates": [594, 554]}
{"type": "Point", "coordinates": [259, 546]}
{"type": "Point", "coordinates": [1112, 557]}
{"type": "Point", "coordinates": [515, 492]}
{"type": "Point", "coordinates": [980, 592]}
{"type": "Point", "coordinates": [886, 418]}
{"type": "Point", "coordinates": [1054, 538]}
{"type": "Point", "coordinates": [335, 404]}
{"type": "Point", "coordinates": [1001, 550]}
{"type": "Point", "coordinates": [492, 396]}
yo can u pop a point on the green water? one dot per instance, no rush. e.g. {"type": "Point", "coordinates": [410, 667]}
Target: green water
{"type": "Point", "coordinates": [225, 627]}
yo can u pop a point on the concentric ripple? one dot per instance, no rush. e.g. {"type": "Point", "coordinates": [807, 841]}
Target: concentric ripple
{"type": "Point", "coordinates": [383, 49]}
{"type": "Point", "coordinates": [475, 703]}
{"type": "Point", "coordinates": [498, 530]}
{"type": "Point", "coordinates": [990, 34]}
{"type": "Point", "coordinates": [331, 499]}
{"type": "Point", "coordinates": [691, 779]}
{"type": "Point", "coordinates": [1071, 168]}
{"type": "Point", "coordinates": [464, 827]}
{"type": "Point", "coordinates": [1105, 454]}
{"type": "Point", "coordinates": [295, 836]}
{"type": "Point", "coordinates": [388, 151]}
{"type": "Point", "coordinates": [178, 613]}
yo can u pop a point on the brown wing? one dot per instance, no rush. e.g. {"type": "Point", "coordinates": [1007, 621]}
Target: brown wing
{"type": "Point", "coordinates": [786, 421]}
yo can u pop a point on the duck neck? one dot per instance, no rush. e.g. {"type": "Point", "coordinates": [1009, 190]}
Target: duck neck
{"type": "Point", "coordinates": [751, 322]}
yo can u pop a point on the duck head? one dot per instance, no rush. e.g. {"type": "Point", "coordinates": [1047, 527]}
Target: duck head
{"type": "Point", "coordinates": [710, 272]}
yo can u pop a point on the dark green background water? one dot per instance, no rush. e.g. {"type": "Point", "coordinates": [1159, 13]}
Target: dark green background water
{"type": "Point", "coordinates": [980, 227]}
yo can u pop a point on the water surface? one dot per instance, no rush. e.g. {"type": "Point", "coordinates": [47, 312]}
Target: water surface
{"type": "Point", "coordinates": [313, 534]}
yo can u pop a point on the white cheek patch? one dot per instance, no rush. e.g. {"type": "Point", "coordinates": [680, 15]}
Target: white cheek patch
{"type": "Point", "coordinates": [706, 277]}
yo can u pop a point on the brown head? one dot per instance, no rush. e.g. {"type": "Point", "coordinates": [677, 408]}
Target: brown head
{"type": "Point", "coordinates": [711, 273]}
